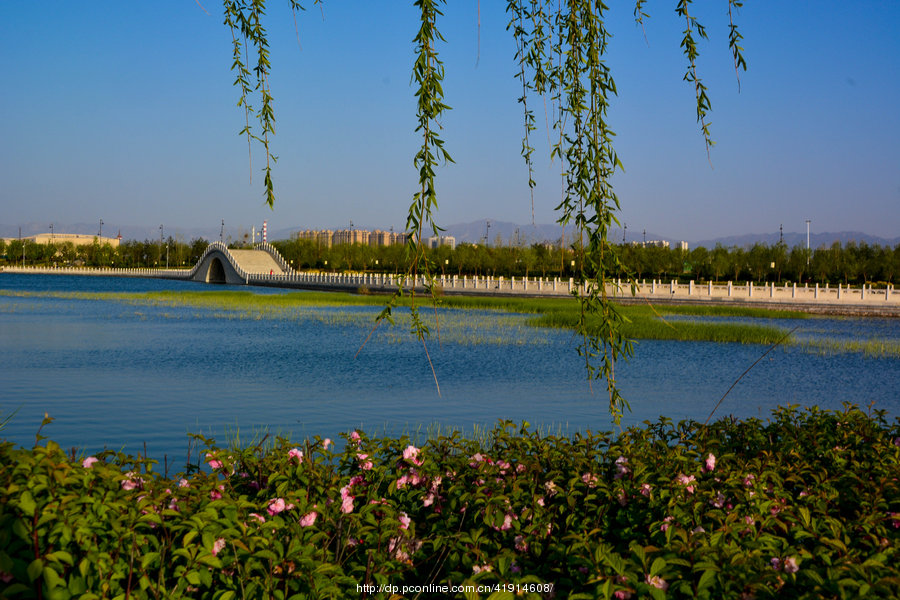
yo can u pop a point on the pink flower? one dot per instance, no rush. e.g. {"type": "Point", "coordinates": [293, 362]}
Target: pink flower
{"type": "Point", "coordinates": [213, 462]}
{"type": "Point", "coordinates": [687, 482]}
{"type": "Point", "coordinates": [622, 467]}
{"type": "Point", "coordinates": [276, 505]}
{"type": "Point", "coordinates": [133, 482]}
{"type": "Point", "coordinates": [326, 443]}
{"type": "Point", "coordinates": [622, 595]}
{"type": "Point", "coordinates": [347, 504]}
{"type": "Point", "coordinates": [258, 517]}
{"type": "Point", "coordinates": [710, 465]}
{"type": "Point", "coordinates": [790, 565]}
{"type": "Point", "coordinates": [428, 500]}
{"type": "Point", "coordinates": [184, 483]}
{"type": "Point", "coordinates": [482, 569]}
{"type": "Point", "coordinates": [719, 502]}
{"type": "Point", "coordinates": [411, 454]}
{"type": "Point", "coordinates": [402, 481]}
{"type": "Point", "coordinates": [521, 545]}
{"type": "Point", "coordinates": [776, 563]}
{"type": "Point", "coordinates": [218, 545]}
{"type": "Point", "coordinates": [354, 437]}
{"type": "Point", "coordinates": [89, 462]}
{"type": "Point", "coordinates": [590, 479]}
{"type": "Point", "coordinates": [216, 493]}
{"type": "Point", "coordinates": [296, 453]}
{"type": "Point", "coordinates": [665, 523]}
{"type": "Point", "coordinates": [404, 520]}
{"type": "Point", "coordinates": [646, 489]}
{"type": "Point", "coordinates": [308, 519]}
{"type": "Point", "coordinates": [657, 582]}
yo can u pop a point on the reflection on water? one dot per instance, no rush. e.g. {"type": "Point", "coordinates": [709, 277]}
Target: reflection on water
{"type": "Point", "coordinates": [118, 375]}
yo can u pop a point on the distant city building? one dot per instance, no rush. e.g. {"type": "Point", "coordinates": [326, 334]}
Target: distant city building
{"type": "Point", "coordinates": [328, 238]}
{"type": "Point", "coordinates": [683, 245]}
{"type": "Point", "coordinates": [444, 240]}
{"type": "Point", "coordinates": [76, 239]}
{"type": "Point", "coordinates": [657, 244]}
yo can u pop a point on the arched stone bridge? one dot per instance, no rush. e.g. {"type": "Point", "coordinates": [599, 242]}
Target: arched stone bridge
{"type": "Point", "coordinates": [220, 264]}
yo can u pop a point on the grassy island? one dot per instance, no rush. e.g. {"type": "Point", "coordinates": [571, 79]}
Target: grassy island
{"type": "Point", "coordinates": [803, 505]}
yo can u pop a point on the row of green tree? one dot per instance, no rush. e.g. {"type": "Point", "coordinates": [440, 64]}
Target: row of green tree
{"type": "Point", "coordinates": [171, 252]}
{"type": "Point", "coordinates": [850, 263]}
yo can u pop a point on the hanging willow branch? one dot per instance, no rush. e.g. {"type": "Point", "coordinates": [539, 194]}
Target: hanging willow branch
{"type": "Point", "coordinates": [561, 48]}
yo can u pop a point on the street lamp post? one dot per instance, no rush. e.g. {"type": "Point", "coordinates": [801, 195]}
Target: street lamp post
{"type": "Point", "coordinates": [807, 243]}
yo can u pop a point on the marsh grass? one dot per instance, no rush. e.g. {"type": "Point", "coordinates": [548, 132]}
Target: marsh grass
{"type": "Point", "coordinates": [475, 320]}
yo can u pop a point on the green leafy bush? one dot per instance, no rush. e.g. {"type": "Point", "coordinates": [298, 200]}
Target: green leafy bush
{"type": "Point", "coordinates": [806, 504]}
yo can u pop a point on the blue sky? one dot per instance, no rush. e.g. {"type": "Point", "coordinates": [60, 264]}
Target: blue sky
{"type": "Point", "coordinates": [125, 111]}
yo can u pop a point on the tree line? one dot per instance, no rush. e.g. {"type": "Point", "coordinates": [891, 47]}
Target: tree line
{"type": "Point", "coordinates": [850, 263]}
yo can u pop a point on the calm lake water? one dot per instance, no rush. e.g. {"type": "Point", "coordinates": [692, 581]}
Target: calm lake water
{"type": "Point", "coordinates": [118, 375]}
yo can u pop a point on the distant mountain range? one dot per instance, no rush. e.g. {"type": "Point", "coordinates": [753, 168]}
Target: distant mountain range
{"type": "Point", "coordinates": [475, 232]}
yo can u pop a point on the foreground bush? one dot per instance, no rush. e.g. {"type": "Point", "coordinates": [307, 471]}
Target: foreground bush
{"type": "Point", "coordinates": [804, 505]}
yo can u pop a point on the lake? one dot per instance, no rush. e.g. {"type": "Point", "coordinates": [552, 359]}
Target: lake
{"type": "Point", "coordinates": [118, 375]}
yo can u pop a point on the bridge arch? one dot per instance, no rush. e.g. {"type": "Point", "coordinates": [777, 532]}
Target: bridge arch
{"type": "Point", "coordinates": [219, 264]}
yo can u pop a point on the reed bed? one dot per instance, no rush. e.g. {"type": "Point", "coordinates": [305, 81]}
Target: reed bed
{"type": "Point", "coordinates": [473, 320]}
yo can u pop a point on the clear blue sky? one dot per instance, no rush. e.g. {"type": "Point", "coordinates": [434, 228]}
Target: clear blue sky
{"type": "Point", "coordinates": [125, 111]}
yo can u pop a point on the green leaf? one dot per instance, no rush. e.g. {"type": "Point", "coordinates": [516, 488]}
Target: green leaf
{"type": "Point", "coordinates": [27, 504]}
{"type": "Point", "coordinates": [706, 580]}
{"type": "Point", "coordinates": [34, 569]}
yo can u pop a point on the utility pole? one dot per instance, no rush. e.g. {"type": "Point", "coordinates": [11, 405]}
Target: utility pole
{"type": "Point", "coordinates": [624, 230]}
{"type": "Point", "coordinates": [100, 233]}
{"type": "Point", "coordinates": [487, 232]}
{"type": "Point", "coordinates": [159, 259]}
{"type": "Point", "coordinates": [222, 232]}
{"type": "Point", "coordinates": [781, 233]}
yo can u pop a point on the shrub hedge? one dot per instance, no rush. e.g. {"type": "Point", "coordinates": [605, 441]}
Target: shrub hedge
{"type": "Point", "coordinates": [805, 505]}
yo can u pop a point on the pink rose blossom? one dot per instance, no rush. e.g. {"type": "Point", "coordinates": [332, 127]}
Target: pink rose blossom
{"type": "Point", "coordinates": [216, 493]}
{"type": "Point", "coordinates": [646, 489]}
{"type": "Point", "coordinates": [276, 505]}
{"type": "Point", "coordinates": [790, 565]}
{"type": "Point", "coordinates": [520, 543]}
{"type": "Point", "coordinates": [590, 479]}
{"type": "Point", "coordinates": [308, 519]}
{"type": "Point", "coordinates": [296, 453]}
{"type": "Point", "coordinates": [622, 467]}
{"type": "Point", "coordinates": [354, 437]}
{"type": "Point", "coordinates": [347, 504]}
{"type": "Point", "coordinates": [665, 523]}
{"type": "Point", "coordinates": [687, 482]}
{"type": "Point", "coordinates": [89, 462]}
{"type": "Point", "coordinates": [326, 443]}
{"type": "Point", "coordinates": [657, 582]}
{"type": "Point", "coordinates": [411, 453]}
{"type": "Point", "coordinates": [404, 520]}
{"type": "Point", "coordinates": [428, 500]}
{"type": "Point", "coordinates": [218, 545]}
{"type": "Point", "coordinates": [184, 483]}
{"type": "Point", "coordinates": [213, 462]}
{"type": "Point", "coordinates": [258, 517]}
{"type": "Point", "coordinates": [710, 465]}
